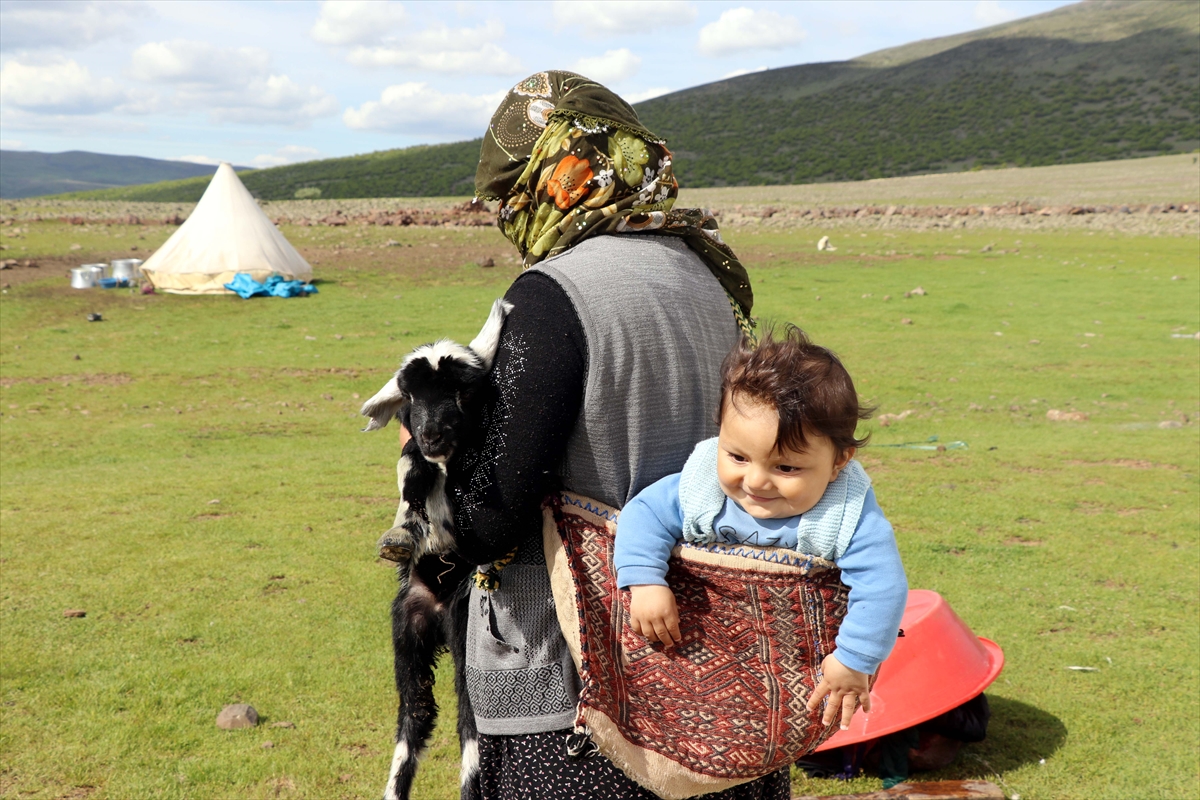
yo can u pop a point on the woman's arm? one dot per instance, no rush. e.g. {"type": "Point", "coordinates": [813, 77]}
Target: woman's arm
{"type": "Point", "coordinates": [537, 390]}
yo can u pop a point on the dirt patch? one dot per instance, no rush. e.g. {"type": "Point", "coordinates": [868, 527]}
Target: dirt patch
{"type": "Point", "coordinates": [87, 379]}
{"type": "Point", "coordinates": [1016, 541]}
{"type": "Point", "coordinates": [374, 501]}
{"type": "Point", "coordinates": [281, 785]}
{"type": "Point", "coordinates": [1052, 631]}
{"type": "Point", "coordinates": [314, 373]}
{"type": "Point", "coordinates": [1113, 583]}
{"type": "Point", "coordinates": [77, 793]}
{"type": "Point", "coordinates": [1128, 463]}
{"type": "Point", "coordinates": [360, 750]}
{"type": "Point", "coordinates": [424, 260]}
{"type": "Point", "coordinates": [1129, 512]}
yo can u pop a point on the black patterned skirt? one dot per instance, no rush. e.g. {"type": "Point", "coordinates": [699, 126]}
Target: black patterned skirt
{"type": "Point", "coordinates": [535, 766]}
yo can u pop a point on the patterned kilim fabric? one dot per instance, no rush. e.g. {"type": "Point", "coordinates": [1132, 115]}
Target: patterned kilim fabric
{"type": "Point", "coordinates": [726, 705]}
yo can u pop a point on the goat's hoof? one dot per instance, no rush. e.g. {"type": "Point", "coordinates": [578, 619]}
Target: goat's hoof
{"type": "Point", "coordinates": [395, 545]}
{"type": "Point", "coordinates": [398, 554]}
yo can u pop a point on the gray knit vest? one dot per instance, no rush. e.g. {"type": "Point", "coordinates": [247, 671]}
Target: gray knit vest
{"type": "Point", "coordinates": [657, 325]}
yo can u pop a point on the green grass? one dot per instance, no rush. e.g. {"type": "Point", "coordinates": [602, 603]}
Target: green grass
{"type": "Point", "coordinates": [273, 596]}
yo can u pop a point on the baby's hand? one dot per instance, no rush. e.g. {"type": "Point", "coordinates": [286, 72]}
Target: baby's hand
{"type": "Point", "coordinates": [653, 614]}
{"type": "Point", "coordinates": [843, 686]}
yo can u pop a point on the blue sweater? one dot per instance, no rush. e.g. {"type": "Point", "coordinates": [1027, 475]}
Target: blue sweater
{"type": "Point", "coordinates": [652, 524]}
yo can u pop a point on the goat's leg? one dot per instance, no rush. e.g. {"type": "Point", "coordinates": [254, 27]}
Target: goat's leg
{"type": "Point", "coordinates": [468, 736]}
{"type": "Point", "coordinates": [415, 479]}
{"type": "Point", "coordinates": [417, 635]}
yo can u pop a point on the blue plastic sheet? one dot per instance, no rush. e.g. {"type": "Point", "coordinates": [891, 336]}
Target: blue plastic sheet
{"type": "Point", "coordinates": [274, 286]}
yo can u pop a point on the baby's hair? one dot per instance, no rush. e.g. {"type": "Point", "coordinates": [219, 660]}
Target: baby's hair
{"type": "Point", "coordinates": [804, 382]}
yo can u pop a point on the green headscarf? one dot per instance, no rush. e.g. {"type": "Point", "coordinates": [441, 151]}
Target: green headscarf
{"type": "Point", "coordinates": [568, 159]}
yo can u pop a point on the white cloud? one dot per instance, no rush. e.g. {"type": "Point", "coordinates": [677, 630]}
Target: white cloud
{"type": "Point", "coordinates": [231, 84]}
{"type": "Point", "coordinates": [275, 99]}
{"type": "Point", "coordinates": [206, 160]}
{"type": "Point", "coordinates": [599, 17]}
{"type": "Point", "coordinates": [183, 61]}
{"type": "Point", "coordinates": [63, 87]}
{"type": "Point", "coordinates": [439, 48]}
{"type": "Point", "coordinates": [487, 60]}
{"type": "Point", "coordinates": [744, 71]}
{"type": "Point", "coordinates": [11, 144]}
{"type": "Point", "coordinates": [343, 22]}
{"type": "Point", "coordinates": [646, 94]}
{"type": "Point", "coordinates": [990, 12]}
{"type": "Point", "coordinates": [741, 29]}
{"type": "Point", "coordinates": [51, 23]}
{"type": "Point", "coordinates": [16, 119]}
{"type": "Point", "coordinates": [288, 154]}
{"type": "Point", "coordinates": [612, 67]}
{"type": "Point", "coordinates": [414, 108]}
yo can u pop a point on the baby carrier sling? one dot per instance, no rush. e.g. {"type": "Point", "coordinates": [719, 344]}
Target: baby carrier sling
{"type": "Point", "coordinates": [727, 704]}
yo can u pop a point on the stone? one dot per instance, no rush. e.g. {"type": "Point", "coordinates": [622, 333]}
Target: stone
{"type": "Point", "coordinates": [283, 724]}
{"type": "Point", "coordinates": [74, 612]}
{"type": "Point", "coordinates": [488, 262]}
{"type": "Point", "coordinates": [238, 715]}
{"type": "Point", "coordinates": [1054, 415]}
{"type": "Point", "coordinates": [1170, 423]}
{"type": "Point", "coordinates": [906, 321]}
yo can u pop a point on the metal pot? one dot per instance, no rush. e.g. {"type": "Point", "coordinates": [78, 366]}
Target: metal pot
{"type": "Point", "coordinates": [83, 277]}
{"type": "Point", "coordinates": [100, 270]}
{"type": "Point", "coordinates": [125, 269]}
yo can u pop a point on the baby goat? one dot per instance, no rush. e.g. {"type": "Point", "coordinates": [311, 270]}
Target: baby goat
{"type": "Point", "coordinates": [432, 394]}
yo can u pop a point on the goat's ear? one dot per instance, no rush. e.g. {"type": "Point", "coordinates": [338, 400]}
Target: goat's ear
{"type": "Point", "coordinates": [387, 403]}
{"type": "Point", "coordinates": [487, 342]}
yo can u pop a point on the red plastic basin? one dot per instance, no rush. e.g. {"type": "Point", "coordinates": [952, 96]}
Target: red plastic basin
{"type": "Point", "coordinates": [937, 665]}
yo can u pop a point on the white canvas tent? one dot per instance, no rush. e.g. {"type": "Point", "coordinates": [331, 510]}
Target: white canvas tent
{"type": "Point", "coordinates": [227, 233]}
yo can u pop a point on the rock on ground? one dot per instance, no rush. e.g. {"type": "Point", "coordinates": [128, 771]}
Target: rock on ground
{"type": "Point", "coordinates": [238, 715]}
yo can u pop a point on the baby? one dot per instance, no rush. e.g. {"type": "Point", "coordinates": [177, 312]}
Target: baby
{"type": "Point", "coordinates": [780, 474]}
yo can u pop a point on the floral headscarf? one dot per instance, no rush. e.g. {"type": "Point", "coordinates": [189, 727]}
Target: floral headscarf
{"type": "Point", "coordinates": [568, 159]}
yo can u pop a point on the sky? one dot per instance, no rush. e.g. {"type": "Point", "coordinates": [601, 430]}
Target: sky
{"type": "Point", "coordinates": [274, 82]}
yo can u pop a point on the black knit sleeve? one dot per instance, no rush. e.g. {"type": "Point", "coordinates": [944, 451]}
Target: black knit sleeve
{"type": "Point", "coordinates": [537, 381]}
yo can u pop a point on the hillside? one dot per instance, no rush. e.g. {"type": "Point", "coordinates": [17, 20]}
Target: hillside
{"type": "Point", "coordinates": [30, 174]}
{"type": "Point", "coordinates": [1094, 81]}
{"type": "Point", "coordinates": [1088, 82]}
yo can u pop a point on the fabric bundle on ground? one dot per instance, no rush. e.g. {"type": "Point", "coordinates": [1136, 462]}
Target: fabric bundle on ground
{"type": "Point", "coordinates": [727, 704]}
{"type": "Point", "coordinates": [227, 233]}
{"type": "Point", "coordinates": [246, 287]}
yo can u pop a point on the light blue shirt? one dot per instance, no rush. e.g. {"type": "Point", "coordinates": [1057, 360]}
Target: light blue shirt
{"type": "Point", "coordinates": [652, 524]}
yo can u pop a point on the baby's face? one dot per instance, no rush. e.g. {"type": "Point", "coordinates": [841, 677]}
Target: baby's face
{"type": "Point", "coordinates": [767, 483]}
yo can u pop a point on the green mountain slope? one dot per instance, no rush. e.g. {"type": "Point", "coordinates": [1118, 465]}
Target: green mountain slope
{"type": "Point", "coordinates": [422, 171]}
{"type": "Point", "coordinates": [1088, 82]}
{"type": "Point", "coordinates": [29, 174]}
{"type": "Point", "coordinates": [1098, 80]}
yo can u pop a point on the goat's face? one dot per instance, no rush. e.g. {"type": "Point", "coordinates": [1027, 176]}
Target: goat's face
{"type": "Point", "coordinates": [439, 392]}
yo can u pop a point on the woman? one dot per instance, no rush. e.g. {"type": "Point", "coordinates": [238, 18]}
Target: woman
{"type": "Point", "coordinates": [605, 379]}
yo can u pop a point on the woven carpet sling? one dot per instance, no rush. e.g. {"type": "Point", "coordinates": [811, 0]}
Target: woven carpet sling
{"type": "Point", "coordinates": [724, 707]}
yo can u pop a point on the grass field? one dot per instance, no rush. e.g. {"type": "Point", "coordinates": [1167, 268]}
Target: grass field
{"type": "Point", "coordinates": [190, 472]}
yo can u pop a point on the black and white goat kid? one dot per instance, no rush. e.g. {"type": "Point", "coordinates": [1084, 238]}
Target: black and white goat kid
{"type": "Point", "coordinates": [432, 394]}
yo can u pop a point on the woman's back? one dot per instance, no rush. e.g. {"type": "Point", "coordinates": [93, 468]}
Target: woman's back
{"type": "Point", "coordinates": [657, 325]}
